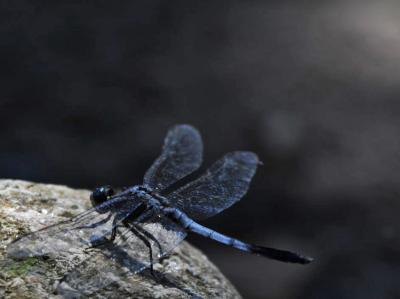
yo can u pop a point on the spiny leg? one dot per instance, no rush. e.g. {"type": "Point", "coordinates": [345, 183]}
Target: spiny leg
{"type": "Point", "coordinates": [146, 242]}
{"type": "Point", "coordinates": [142, 213]}
{"type": "Point", "coordinates": [139, 211]}
{"type": "Point", "coordinates": [145, 214]}
{"type": "Point", "coordinates": [93, 225]}
{"type": "Point", "coordinates": [272, 253]}
{"type": "Point", "coordinates": [150, 236]}
{"type": "Point", "coordinates": [104, 240]}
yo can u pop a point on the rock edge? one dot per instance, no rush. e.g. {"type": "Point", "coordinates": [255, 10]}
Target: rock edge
{"type": "Point", "coordinates": [27, 206]}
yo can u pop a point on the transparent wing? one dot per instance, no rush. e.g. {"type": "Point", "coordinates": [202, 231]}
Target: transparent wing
{"type": "Point", "coordinates": [128, 254]}
{"type": "Point", "coordinates": [75, 234]}
{"type": "Point", "coordinates": [223, 184]}
{"type": "Point", "coordinates": [180, 156]}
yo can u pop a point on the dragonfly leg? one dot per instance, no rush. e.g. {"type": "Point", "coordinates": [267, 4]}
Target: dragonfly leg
{"type": "Point", "coordinates": [146, 242]}
{"type": "Point", "coordinates": [272, 253]}
{"type": "Point", "coordinates": [103, 240]}
{"type": "Point", "coordinates": [142, 215]}
{"type": "Point", "coordinates": [150, 236]}
{"type": "Point", "coordinates": [93, 225]}
{"type": "Point", "coordinates": [113, 234]}
{"type": "Point", "coordinates": [142, 234]}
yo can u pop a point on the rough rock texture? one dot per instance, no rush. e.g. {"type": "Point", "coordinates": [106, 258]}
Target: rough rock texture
{"type": "Point", "coordinates": [26, 206]}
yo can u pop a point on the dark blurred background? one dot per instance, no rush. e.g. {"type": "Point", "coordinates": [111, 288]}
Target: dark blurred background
{"type": "Point", "coordinates": [88, 90]}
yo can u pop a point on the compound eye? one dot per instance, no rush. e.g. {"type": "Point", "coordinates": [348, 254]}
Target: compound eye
{"type": "Point", "coordinates": [101, 194]}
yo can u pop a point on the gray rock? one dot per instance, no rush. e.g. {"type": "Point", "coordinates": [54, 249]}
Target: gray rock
{"type": "Point", "coordinates": [26, 206]}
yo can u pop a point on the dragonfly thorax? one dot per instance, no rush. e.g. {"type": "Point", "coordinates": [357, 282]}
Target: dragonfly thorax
{"type": "Point", "coordinates": [147, 196]}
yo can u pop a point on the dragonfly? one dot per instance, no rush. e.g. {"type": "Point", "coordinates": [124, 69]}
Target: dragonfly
{"type": "Point", "coordinates": [139, 225]}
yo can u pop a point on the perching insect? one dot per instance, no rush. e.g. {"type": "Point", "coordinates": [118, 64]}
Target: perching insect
{"type": "Point", "coordinates": [143, 223]}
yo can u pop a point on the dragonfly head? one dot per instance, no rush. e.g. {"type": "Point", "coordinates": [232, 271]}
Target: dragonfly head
{"type": "Point", "coordinates": [101, 194]}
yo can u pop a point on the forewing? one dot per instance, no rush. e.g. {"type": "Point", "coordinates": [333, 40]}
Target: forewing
{"type": "Point", "coordinates": [223, 184]}
{"type": "Point", "coordinates": [75, 234]}
{"type": "Point", "coordinates": [181, 155]}
{"type": "Point", "coordinates": [128, 254]}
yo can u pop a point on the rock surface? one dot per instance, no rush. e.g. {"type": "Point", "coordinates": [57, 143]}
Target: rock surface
{"type": "Point", "coordinates": [26, 206]}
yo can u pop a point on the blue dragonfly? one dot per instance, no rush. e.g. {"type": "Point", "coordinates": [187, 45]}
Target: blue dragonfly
{"type": "Point", "coordinates": [139, 225]}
